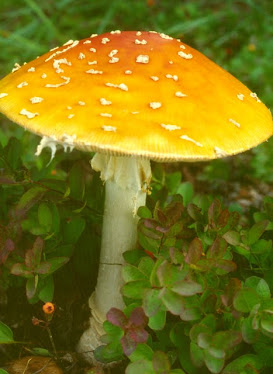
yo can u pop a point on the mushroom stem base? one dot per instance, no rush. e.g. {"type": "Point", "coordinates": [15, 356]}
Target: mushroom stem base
{"type": "Point", "coordinates": [126, 180]}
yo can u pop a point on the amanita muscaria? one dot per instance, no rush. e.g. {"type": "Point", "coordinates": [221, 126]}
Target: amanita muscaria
{"type": "Point", "coordinates": [131, 97]}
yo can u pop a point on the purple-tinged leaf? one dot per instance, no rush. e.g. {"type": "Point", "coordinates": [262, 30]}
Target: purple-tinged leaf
{"type": "Point", "coordinates": [217, 249]}
{"type": "Point", "coordinates": [232, 287]}
{"type": "Point", "coordinates": [160, 216]}
{"type": "Point", "coordinates": [43, 268]}
{"type": "Point", "coordinates": [21, 270]}
{"type": "Point", "coordinates": [195, 251]}
{"type": "Point", "coordinates": [149, 223]}
{"type": "Point", "coordinates": [138, 317]}
{"type": "Point", "coordinates": [138, 334]}
{"type": "Point", "coordinates": [214, 212]}
{"type": "Point", "coordinates": [173, 212]}
{"type": "Point", "coordinates": [29, 259]}
{"type": "Point", "coordinates": [128, 345]}
{"type": "Point", "coordinates": [195, 212]}
{"type": "Point", "coordinates": [56, 263]}
{"type": "Point", "coordinates": [5, 251]}
{"type": "Point", "coordinates": [33, 256]}
{"type": "Point", "coordinates": [225, 265]}
{"type": "Point", "coordinates": [117, 317]}
{"type": "Point", "coordinates": [223, 218]}
{"type": "Point", "coordinates": [7, 179]}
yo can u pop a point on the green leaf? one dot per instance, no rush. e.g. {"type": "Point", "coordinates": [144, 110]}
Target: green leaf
{"type": "Point", "coordinates": [149, 244]}
{"type": "Point", "coordinates": [132, 273]}
{"type": "Point", "coordinates": [40, 352]}
{"type": "Point", "coordinates": [141, 366]}
{"type": "Point", "coordinates": [13, 152]}
{"type": "Point", "coordinates": [30, 197]}
{"type": "Point", "coordinates": [204, 339]}
{"type": "Point", "coordinates": [267, 322]}
{"type": "Point", "coordinates": [135, 289]}
{"type": "Point", "coordinates": [31, 286]}
{"type": "Point", "coordinates": [259, 285]}
{"type": "Point", "coordinates": [47, 291]}
{"type": "Point", "coordinates": [146, 266]}
{"type": "Point", "coordinates": [133, 256]}
{"type": "Point", "coordinates": [240, 364]}
{"type": "Point", "coordinates": [261, 246]}
{"type": "Point", "coordinates": [197, 355]}
{"type": "Point", "coordinates": [248, 333]}
{"type": "Point", "coordinates": [55, 263]}
{"type": "Point", "coordinates": [172, 301]}
{"type": "Point", "coordinates": [226, 339]}
{"type": "Point", "coordinates": [6, 335]}
{"type": "Point", "coordinates": [151, 302]}
{"type": "Point", "coordinates": [72, 229]}
{"type": "Point", "coordinates": [245, 299]}
{"type": "Point", "coordinates": [168, 274]}
{"type": "Point", "coordinates": [182, 343]}
{"type": "Point", "coordinates": [187, 287]}
{"type": "Point", "coordinates": [161, 363]}
{"type": "Point", "coordinates": [109, 353]}
{"type": "Point", "coordinates": [157, 321]}
{"type": "Point", "coordinates": [265, 352]}
{"type": "Point", "coordinates": [142, 352]}
{"type": "Point", "coordinates": [76, 181]}
{"type": "Point", "coordinates": [144, 212]}
{"type": "Point", "coordinates": [256, 231]}
{"type": "Point", "coordinates": [186, 191]}
{"type": "Point", "coordinates": [173, 181]}
{"type": "Point", "coordinates": [2, 371]}
{"type": "Point", "coordinates": [232, 237]}
{"type": "Point", "coordinates": [215, 365]}
{"type": "Point", "coordinates": [45, 217]}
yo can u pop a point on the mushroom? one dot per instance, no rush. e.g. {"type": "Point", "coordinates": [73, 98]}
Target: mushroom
{"type": "Point", "coordinates": [131, 97]}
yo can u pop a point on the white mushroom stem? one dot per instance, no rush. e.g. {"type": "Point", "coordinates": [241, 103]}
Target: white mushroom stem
{"type": "Point", "coordinates": [126, 181]}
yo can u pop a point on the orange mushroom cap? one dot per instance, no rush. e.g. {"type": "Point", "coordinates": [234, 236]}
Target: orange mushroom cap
{"type": "Point", "coordinates": [135, 93]}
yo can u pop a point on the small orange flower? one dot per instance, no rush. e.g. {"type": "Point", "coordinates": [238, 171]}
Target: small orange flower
{"type": "Point", "coordinates": [48, 308]}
